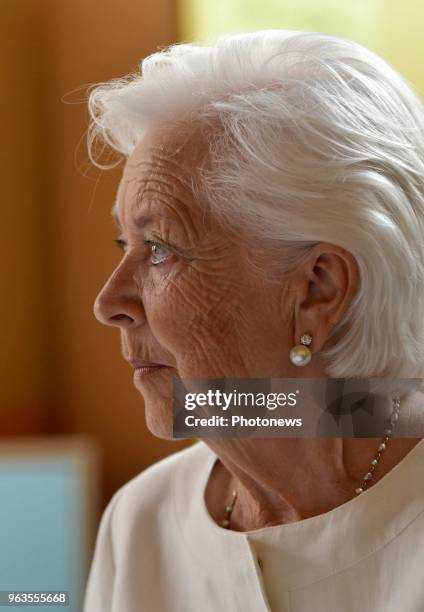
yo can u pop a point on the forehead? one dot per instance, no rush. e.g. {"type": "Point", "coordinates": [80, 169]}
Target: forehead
{"type": "Point", "coordinates": [161, 165]}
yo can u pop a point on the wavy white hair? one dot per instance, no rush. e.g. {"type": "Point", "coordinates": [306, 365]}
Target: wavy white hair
{"type": "Point", "coordinates": [311, 138]}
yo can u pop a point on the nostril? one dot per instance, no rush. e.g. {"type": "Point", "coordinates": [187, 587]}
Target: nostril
{"type": "Point", "coordinates": [120, 311]}
{"type": "Point", "coordinates": [120, 318]}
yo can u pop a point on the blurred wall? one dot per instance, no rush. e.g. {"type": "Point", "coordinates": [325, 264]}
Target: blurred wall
{"type": "Point", "coordinates": [401, 40]}
{"type": "Point", "coordinates": [391, 28]}
{"type": "Point", "coordinates": [62, 372]}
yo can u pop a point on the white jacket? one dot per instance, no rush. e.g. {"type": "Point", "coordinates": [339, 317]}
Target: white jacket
{"type": "Point", "coordinates": [158, 549]}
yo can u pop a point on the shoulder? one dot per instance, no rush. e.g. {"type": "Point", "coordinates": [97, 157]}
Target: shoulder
{"type": "Point", "coordinates": [153, 490]}
{"type": "Point", "coordinates": [156, 478]}
{"type": "Point", "coordinates": [137, 512]}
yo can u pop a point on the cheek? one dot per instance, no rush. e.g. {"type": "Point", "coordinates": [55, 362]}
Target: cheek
{"type": "Point", "coordinates": [169, 306]}
{"type": "Point", "coordinates": [194, 314]}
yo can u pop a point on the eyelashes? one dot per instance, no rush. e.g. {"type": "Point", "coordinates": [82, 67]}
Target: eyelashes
{"type": "Point", "coordinates": [159, 253]}
{"type": "Point", "coordinates": [121, 244]}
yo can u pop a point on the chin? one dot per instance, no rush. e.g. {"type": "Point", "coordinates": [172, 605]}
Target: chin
{"type": "Point", "coordinates": [157, 392]}
{"type": "Point", "coordinates": [159, 412]}
{"type": "Point", "coordinates": [159, 420]}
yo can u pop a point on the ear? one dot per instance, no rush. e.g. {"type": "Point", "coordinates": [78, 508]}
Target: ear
{"type": "Point", "coordinates": [325, 286]}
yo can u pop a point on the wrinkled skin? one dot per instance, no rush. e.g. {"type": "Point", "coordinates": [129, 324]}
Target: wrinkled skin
{"type": "Point", "coordinates": [200, 310]}
{"type": "Point", "coordinates": [194, 305]}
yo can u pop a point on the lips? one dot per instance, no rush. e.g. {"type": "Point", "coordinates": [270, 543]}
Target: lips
{"type": "Point", "coordinates": [138, 364]}
{"type": "Point", "coordinates": [146, 370]}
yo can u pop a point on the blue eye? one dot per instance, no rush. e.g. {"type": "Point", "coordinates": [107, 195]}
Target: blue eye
{"type": "Point", "coordinates": [158, 253]}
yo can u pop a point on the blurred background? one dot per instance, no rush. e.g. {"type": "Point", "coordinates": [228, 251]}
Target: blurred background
{"type": "Point", "coordinates": [71, 423]}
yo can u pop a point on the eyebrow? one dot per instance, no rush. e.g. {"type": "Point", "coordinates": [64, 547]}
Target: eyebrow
{"type": "Point", "coordinates": [142, 221]}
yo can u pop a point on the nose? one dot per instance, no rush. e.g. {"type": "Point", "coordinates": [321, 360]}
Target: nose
{"type": "Point", "coordinates": [119, 301]}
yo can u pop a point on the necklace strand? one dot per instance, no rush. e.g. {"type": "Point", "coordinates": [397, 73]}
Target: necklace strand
{"type": "Point", "coordinates": [366, 480]}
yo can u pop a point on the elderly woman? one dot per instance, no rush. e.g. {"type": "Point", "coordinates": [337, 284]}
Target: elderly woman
{"type": "Point", "coordinates": [271, 217]}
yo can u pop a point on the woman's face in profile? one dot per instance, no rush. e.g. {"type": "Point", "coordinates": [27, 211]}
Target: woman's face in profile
{"type": "Point", "coordinates": [183, 294]}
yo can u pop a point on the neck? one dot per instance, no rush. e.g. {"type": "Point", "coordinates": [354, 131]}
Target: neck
{"type": "Point", "coordinates": [282, 480]}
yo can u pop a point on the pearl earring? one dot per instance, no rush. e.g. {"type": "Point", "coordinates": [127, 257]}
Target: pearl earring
{"type": "Point", "coordinates": [300, 355]}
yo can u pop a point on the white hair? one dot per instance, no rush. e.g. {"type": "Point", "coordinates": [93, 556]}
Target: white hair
{"type": "Point", "coordinates": [312, 138]}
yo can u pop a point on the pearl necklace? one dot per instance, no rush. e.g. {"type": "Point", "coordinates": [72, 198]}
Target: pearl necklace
{"type": "Point", "coordinates": [366, 480]}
